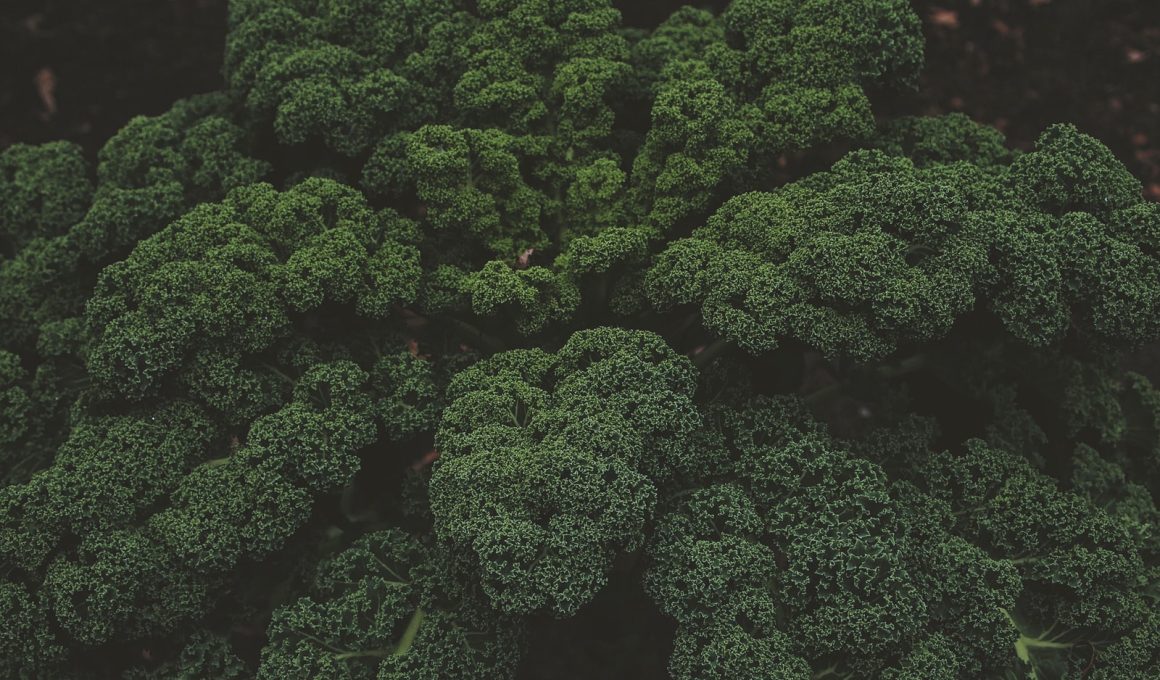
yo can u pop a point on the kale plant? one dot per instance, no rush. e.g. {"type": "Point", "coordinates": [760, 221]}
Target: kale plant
{"type": "Point", "coordinates": [497, 340]}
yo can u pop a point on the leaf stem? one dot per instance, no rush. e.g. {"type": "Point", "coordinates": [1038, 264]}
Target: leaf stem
{"type": "Point", "coordinates": [410, 633]}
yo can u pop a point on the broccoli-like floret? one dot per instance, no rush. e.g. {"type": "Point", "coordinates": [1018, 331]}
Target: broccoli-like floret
{"type": "Point", "coordinates": [107, 474]}
{"type": "Point", "coordinates": [846, 582]}
{"type": "Point", "coordinates": [764, 78]}
{"type": "Point", "coordinates": [750, 648]}
{"type": "Point", "coordinates": [158, 540]}
{"type": "Point", "coordinates": [807, 558]}
{"type": "Point", "coordinates": [508, 126]}
{"type": "Point", "coordinates": [314, 440]}
{"type": "Point", "coordinates": [1073, 172]}
{"type": "Point", "coordinates": [224, 513]}
{"type": "Point", "coordinates": [852, 263]}
{"type": "Point", "coordinates": [496, 115]}
{"type": "Point", "coordinates": [227, 279]}
{"type": "Point", "coordinates": [122, 584]}
{"type": "Point", "coordinates": [470, 182]}
{"type": "Point", "coordinates": [15, 407]}
{"type": "Point", "coordinates": [44, 190]}
{"type": "Point", "coordinates": [345, 73]}
{"type": "Point", "coordinates": [685, 35]}
{"type": "Point", "coordinates": [710, 569]}
{"type": "Point", "coordinates": [406, 397]}
{"type": "Point", "coordinates": [99, 479]}
{"type": "Point", "coordinates": [965, 589]}
{"type": "Point", "coordinates": [878, 253]}
{"type": "Point", "coordinates": [537, 296]}
{"type": "Point", "coordinates": [1104, 483]}
{"type": "Point", "coordinates": [28, 647]}
{"type": "Point", "coordinates": [1135, 655]}
{"type": "Point", "coordinates": [564, 449]}
{"type": "Point", "coordinates": [1085, 580]}
{"type": "Point", "coordinates": [805, 544]}
{"type": "Point", "coordinates": [936, 140]}
{"type": "Point", "coordinates": [148, 174]}
{"type": "Point", "coordinates": [934, 657]}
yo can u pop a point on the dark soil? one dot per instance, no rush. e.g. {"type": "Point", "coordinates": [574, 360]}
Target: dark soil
{"type": "Point", "coordinates": [1021, 65]}
{"type": "Point", "coordinates": [79, 69]}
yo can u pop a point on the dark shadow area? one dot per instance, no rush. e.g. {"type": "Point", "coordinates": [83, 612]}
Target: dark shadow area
{"type": "Point", "coordinates": [79, 69]}
{"type": "Point", "coordinates": [1021, 65]}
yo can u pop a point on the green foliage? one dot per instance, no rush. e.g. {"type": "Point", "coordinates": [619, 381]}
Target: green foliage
{"type": "Point", "coordinates": [879, 252]}
{"type": "Point", "coordinates": [43, 190]}
{"type": "Point", "coordinates": [515, 128]}
{"type": "Point", "coordinates": [766, 77]}
{"type": "Point", "coordinates": [549, 462]}
{"type": "Point", "coordinates": [937, 140]}
{"type": "Point", "coordinates": [225, 279]}
{"type": "Point", "coordinates": [385, 608]}
{"type": "Point", "coordinates": [492, 340]}
{"type": "Point", "coordinates": [148, 174]}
